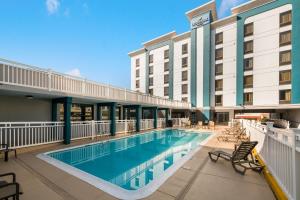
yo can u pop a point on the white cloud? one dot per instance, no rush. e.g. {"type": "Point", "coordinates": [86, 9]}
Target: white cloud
{"type": "Point", "coordinates": [52, 6]}
{"type": "Point", "coordinates": [226, 5]}
{"type": "Point", "coordinates": [74, 72]}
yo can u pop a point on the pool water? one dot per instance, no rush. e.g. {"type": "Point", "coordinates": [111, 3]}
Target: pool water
{"type": "Point", "coordinates": [133, 162]}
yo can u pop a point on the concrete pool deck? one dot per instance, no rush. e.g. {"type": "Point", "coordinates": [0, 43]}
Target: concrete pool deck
{"type": "Point", "coordinates": [198, 178]}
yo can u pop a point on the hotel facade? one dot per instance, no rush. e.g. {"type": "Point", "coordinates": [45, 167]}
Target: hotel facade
{"type": "Point", "coordinates": [246, 63]}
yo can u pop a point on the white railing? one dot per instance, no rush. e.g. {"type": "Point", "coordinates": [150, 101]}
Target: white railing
{"type": "Point", "coordinates": [277, 148]}
{"type": "Point", "coordinates": [179, 122]}
{"type": "Point", "coordinates": [125, 126]}
{"type": "Point", "coordinates": [147, 124]}
{"type": "Point", "coordinates": [161, 123]}
{"type": "Point", "coordinates": [17, 74]}
{"type": "Point", "coordinates": [25, 134]}
{"type": "Point", "coordinates": [86, 129]}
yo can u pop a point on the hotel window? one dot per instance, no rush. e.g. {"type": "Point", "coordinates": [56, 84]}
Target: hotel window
{"type": "Point", "coordinates": [184, 99]}
{"type": "Point", "coordinates": [219, 100]}
{"type": "Point", "coordinates": [219, 38]}
{"type": "Point", "coordinates": [248, 29]}
{"type": "Point", "coordinates": [285, 18]}
{"type": "Point", "coordinates": [285, 38]}
{"type": "Point", "coordinates": [219, 69]}
{"type": "Point", "coordinates": [219, 54]}
{"type": "Point", "coordinates": [166, 54]}
{"type": "Point", "coordinates": [184, 49]}
{"type": "Point", "coordinates": [184, 76]}
{"type": "Point", "coordinates": [285, 57]}
{"type": "Point", "coordinates": [285, 77]}
{"type": "Point", "coordinates": [151, 81]}
{"type": "Point", "coordinates": [150, 91]}
{"type": "Point", "coordinates": [137, 73]}
{"type": "Point", "coordinates": [284, 96]}
{"type": "Point", "coordinates": [248, 98]}
{"type": "Point", "coordinates": [184, 89]}
{"type": "Point", "coordinates": [184, 62]}
{"type": "Point", "coordinates": [248, 47]}
{"type": "Point", "coordinates": [150, 70]}
{"type": "Point", "coordinates": [137, 62]}
{"type": "Point", "coordinates": [166, 78]}
{"type": "Point", "coordinates": [166, 66]}
{"type": "Point", "coordinates": [219, 85]}
{"type": "Point", "coordinates": [166, 91]}
{"type": "Point", "coordinates": [248, 81]}
{"type": "Point", "coordinates": [150, 58]}
{"type": "Point", "coordinates": [248, 64]}
{"type": "Point", "coordinates": [137, 84]}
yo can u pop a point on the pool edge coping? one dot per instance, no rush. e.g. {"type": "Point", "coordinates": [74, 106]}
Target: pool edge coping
{"type": "Point", "coordinates": [113, 189]}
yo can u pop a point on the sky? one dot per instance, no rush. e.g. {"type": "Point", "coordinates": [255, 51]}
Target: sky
{"type": "Point", "coordinates": [90, 38]}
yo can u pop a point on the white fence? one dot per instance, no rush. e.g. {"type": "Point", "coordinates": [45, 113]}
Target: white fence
{"type": "Point", "coordinates": [125, 126]}
{"type": "Point", "coordinates": [85, 129]}
{"type": "Point", "coordinates": [147, 124]}
{"type": "Point", "coordinates": [25, 134]}
{"type": "Point", "coordinates": [277, 148]}
{"type": "Point", "coordinates": [17, 74]}
{"type": "Point", "coordinates": [179, 122]}
{"type": "Point", "coordinates": [161, 123]}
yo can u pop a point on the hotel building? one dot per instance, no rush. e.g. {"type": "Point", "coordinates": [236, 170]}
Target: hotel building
{"type": "Point", "coordinates": [247, 62]}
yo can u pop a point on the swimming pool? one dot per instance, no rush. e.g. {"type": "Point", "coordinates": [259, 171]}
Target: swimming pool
{"type": "Point", "coordinates": [131, 167]}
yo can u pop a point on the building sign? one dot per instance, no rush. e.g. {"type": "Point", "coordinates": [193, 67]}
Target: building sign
{"type": "Point", "coordinates": [200, 20]}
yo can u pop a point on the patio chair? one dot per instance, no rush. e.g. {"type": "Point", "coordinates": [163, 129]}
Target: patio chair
{"type": "Point", "coordinates": [211, 125]}
{"type": "Point", "coordinates": [239, 158]}
{"type": "Point", "coordinates": [9, 189]}
{"type": "Point", "coordinates": [200, 124]}
{"type": "Point", "coordinates": [5, 148]}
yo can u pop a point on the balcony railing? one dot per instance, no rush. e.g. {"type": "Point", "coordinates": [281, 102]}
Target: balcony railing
{"type": "Point", "coordinates": [16, 74]}
{"type": "Point", "coordinates": [25, 134]}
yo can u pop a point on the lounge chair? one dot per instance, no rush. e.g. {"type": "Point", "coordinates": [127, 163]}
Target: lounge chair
{"type": "Point", "coordinates": [211, 125]}
{"type": "Point", "coordinates": [9, 189]}
{"type": "Point", "coordinates": [200, 124]}
{"type": "Point", "coordinates": [239, 158]}
{"type": "Point", "coordinates": [235, 136]}
{"type": "Point", "coordinates": [5, 148]}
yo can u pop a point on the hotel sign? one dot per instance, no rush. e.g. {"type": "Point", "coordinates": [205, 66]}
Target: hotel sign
{"type": "Point", "coordinates": [200, 20]}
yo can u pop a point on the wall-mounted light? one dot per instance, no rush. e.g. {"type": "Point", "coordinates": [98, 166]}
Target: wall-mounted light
{"type": "Point", "coordinates": [29, 97]}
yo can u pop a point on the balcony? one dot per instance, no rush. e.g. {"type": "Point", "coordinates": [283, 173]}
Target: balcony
{"type": "Point", "coordinates": [20, 77]}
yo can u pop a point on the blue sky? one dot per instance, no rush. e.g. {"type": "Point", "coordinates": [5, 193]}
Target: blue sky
{"type": "Point", "coordinates": [90, 38]}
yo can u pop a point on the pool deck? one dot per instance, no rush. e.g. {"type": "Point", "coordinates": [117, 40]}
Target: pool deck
{"type": "Point", "coordinates": [199, 178]}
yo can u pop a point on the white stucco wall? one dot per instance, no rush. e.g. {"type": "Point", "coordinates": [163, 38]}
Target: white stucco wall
{"type": "Point", "coordinates": [158, 70]}
{"type": "Point", "coordinates": [199, 67]}
{"type": "Point", "coordinates": [266, 56]}
{"type": "Point", "coordinates": [142, 68]}
{"type": "Point", "coordinates": [229, 64]}
{"type": "Point", "coordinates": [177, 69]}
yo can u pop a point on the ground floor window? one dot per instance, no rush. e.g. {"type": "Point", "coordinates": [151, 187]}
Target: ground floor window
{"type": "Point", "coordinates": [222, 117]}
{"type": "Point", "coordinates": [79, 112]}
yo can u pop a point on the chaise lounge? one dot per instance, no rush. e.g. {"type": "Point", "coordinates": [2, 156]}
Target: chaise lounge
{"type": "Point", "coordinates": [241, 158]}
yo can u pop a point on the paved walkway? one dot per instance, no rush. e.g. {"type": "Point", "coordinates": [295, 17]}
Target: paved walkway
{"type": "Point", "coordinates": [198, 178]}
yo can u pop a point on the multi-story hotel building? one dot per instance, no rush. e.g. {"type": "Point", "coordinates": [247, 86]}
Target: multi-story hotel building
{"type": "Point", "coordinates": [248, 62]}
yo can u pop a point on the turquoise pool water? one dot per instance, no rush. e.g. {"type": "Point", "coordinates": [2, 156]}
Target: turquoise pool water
{"type": "Point", "coordinates": [132, 162]}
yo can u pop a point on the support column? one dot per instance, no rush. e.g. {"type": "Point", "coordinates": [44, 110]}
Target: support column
{"type": "Point", "coordinates": [113, 118]}
{"type": "Point", "coordinates": [67, 101]}
{"type": "Point", "coordinates": [155, 117]}
{"type": "Point", "coordinates": [138, 117]}
{"type": "Point", "coordinates": [54, 110]}
{"type": "Point", "coordinates": [99, 112]}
